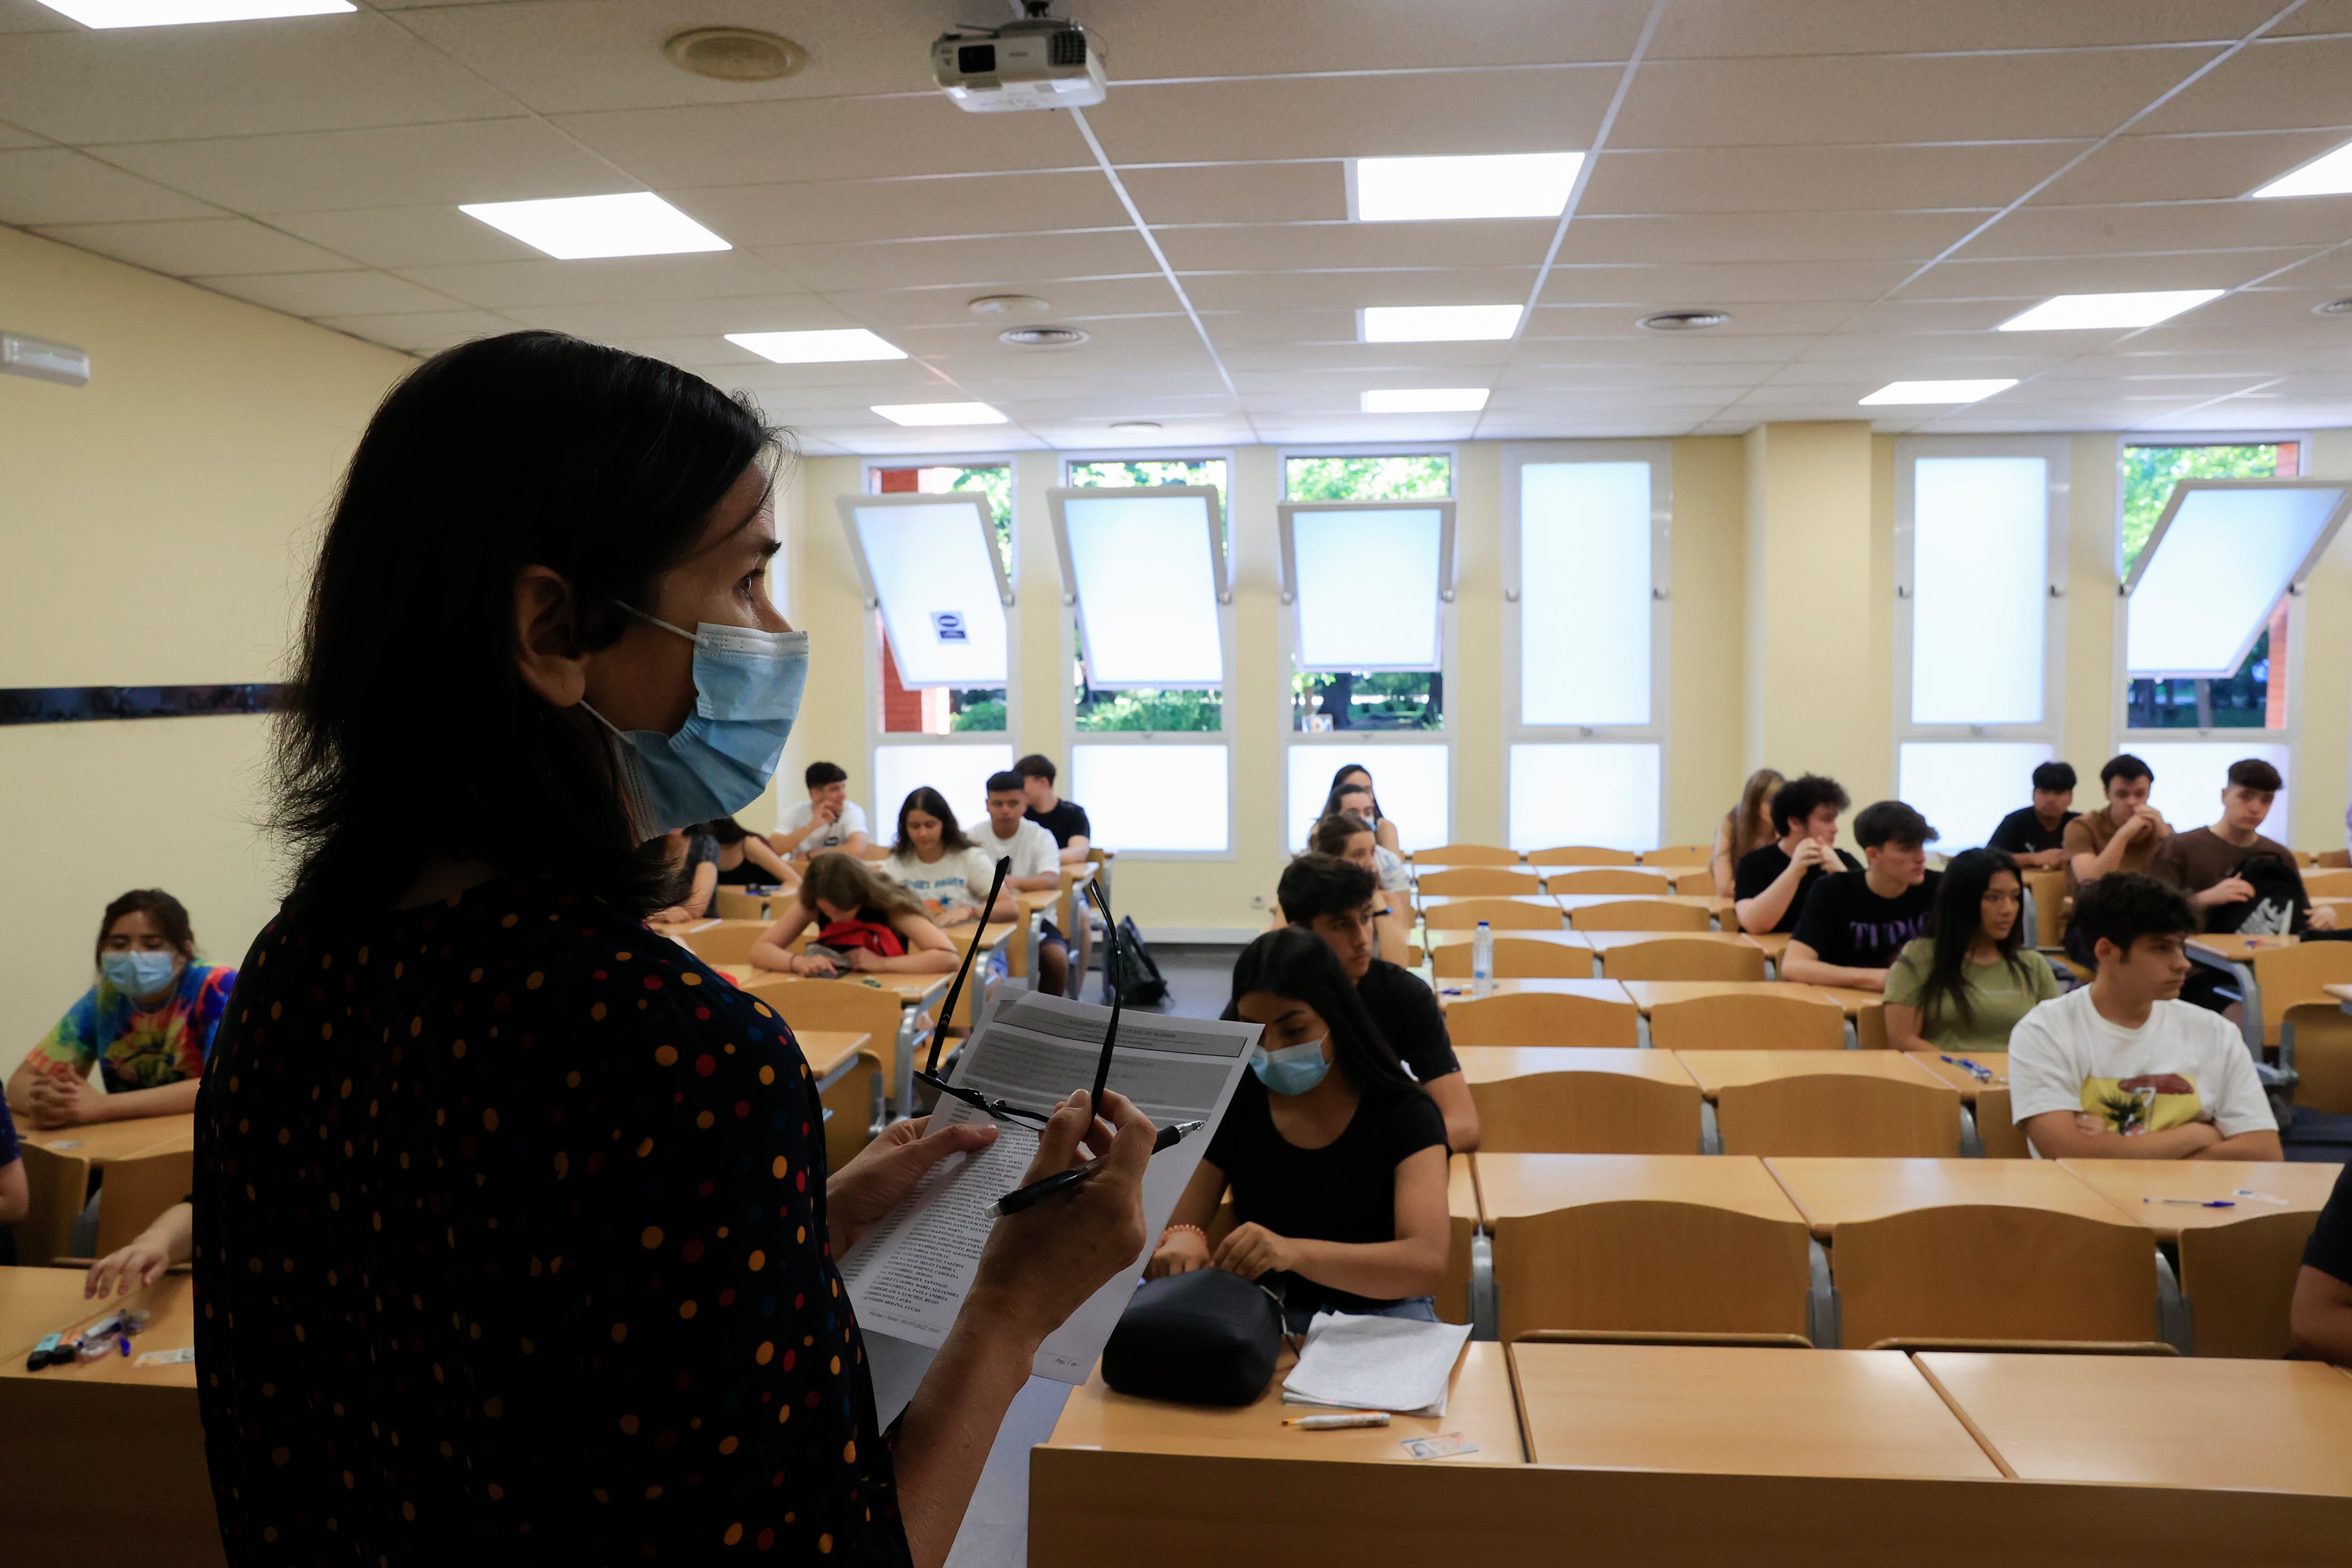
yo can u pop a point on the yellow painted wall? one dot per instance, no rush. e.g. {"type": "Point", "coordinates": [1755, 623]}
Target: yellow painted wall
{"type": "Point", "coordinates": [157, 524]}
{"type": "Point", "coordinates": [1705, 748]}
{"type": "Point", "coordinates": [2324, 753]}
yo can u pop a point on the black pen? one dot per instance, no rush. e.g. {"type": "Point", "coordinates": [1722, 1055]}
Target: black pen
{"type": "Point", "coordinates": [1023, 1198]}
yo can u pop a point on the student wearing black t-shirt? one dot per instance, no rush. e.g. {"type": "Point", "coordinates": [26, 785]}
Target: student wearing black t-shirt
{"type": "Point", "coordinates": [2321, 1316]}
{"type": "Point", "coordinates": [1333, 898]}
{"type": "Point", "coordinates": [1074, 836]}
{"type": "Point", "coordinates": [1335, 1159]}
{"type": "Point", "coordinates": [1856, 922]}
{"type": "Point", "coordinates": [1769, 886]}
{"type": "Point", "coordinates": [2035, 835]}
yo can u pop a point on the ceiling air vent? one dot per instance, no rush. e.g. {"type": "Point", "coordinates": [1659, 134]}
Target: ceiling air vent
{"type": "Point", "coordinates": [1042, 337]}
{"type": "Point", "coordinates": [1683, 320]}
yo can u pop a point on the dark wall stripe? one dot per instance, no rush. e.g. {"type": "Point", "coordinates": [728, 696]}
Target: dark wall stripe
{"type": "Point", "coordinates": [70, 705]}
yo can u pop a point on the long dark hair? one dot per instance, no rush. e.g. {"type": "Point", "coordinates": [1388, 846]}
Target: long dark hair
{"type": "Point", "coordinates": [407, 729]}
{"type": "Point", "coordinates": [170, 915]}
{"type": "Point", "coordinates": [923, 798]}
{"type": "Point", "coordinates": [1956, 924]}
{"type": "Point", "coordinates": [847, 883]}
{"type": "Point", "coordinates": [1292, 961]}
{"type": "Point", "coordinates": [1331, 796]}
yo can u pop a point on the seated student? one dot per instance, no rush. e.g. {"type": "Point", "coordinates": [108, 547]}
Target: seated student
{"type": "Point", "coordinates": [1856, 923]}
{"type": "Point", "coordinates": [934, 859]}
{"type": "Point", "coordinates": [869, 925]}
{"type": "Point", "coordinates": [1335, 1159]}
{"type": "Point", "coordinates": [827, 820]}
{"type": "Point", "coordinates": [1349, 837]}
{"type": "Point", "coordinates": [1356, 773]}
{"type": "Point", "coordinates": [2321, 1315]}
{"type": "Point", "coordinates": [15, 1192]}
{"type": "Point", "coordinates": [1965, 985]}
{"type": "Point", "coordinates": [1073, 834]}
{"type": "Point", "coordinates": [1770, 884]}
{"type": "Point", "coordinates": [2121, 1070]}
{"type": "Point", "coordinates": [1036, 868]}
{"type": "Point", "coordinates": [146, 1257]}
{"type": "Point", "coordinates": [693, 856]}
{"type": "Point", "coordinates": [1745, 829]}
{"type": "Point", "coordinates": [1356, 801]}
{"type": "Point", "coordinates": [746, 860]}
{"type": "Point", "coordinates": [2209, 864]}
{"type": "Point", "coordinates": [1334, 899]}
{"type": "Point", "coordinates": [2126, 833]}
{"type": "Point", "coordinates": [2035, 835]}
{"type": "Point", "coordinates": [147, 1025]}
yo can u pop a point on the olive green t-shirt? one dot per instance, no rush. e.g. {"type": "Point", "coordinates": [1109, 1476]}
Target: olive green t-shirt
{"type": "Point", "coordinates": [1998, 997]}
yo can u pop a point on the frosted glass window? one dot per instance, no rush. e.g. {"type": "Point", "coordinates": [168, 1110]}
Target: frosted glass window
{"type": "Point", "coordinates": [2189, 779]}
{"type": "Point", "coordinates": [1414, 785]}
{"type": "Point", "coordinates": [1604, 795]}
{"type": "Point", "coordinates": [1366, 586]}
{"type": "Point", "coordinates": [959, 772]}
{"type": "Point", "coordinates": [2201, 593]}
{"type": "Point", "coordinates": [1965, 788]}
{"type": "Point", "coordinates": [1144, 570]}
{"type": "Point", "coordinates": [1980, 551]}
{"type": "Point", "coordinates": [1584, 593]}
{"type": "Point", "coordinates": [1153, 797]}
{"type": "Point", "coordinates": [934, 568]}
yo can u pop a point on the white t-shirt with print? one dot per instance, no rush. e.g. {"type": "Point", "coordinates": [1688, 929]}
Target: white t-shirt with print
{"type": "Point", "coordinates": [832, 836]}
{"type": "Point", "coordinates": [2183, 1062]}
{"type": "Point", "coordinates": [1395, 876]}
{"type": "Point", "coordinates": [1033, 850]}
{"type": "Point", "coordinates": [957, 880]}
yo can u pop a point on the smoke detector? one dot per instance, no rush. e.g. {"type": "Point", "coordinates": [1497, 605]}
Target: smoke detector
{"type": "Point", "coordinates": [1683, 320]}
{"type": "Point", "coordinates": [735, 54]}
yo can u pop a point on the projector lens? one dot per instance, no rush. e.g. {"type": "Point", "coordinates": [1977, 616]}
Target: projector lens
{"type": "Point", "coordinates": [976, 60]}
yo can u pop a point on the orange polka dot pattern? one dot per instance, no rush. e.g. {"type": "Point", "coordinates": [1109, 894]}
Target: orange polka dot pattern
{"type": "Point", "coordinates": [525, 1261]}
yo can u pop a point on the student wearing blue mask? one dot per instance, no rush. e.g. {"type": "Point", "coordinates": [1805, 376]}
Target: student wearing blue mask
{"type": "Point", "coordinates": [146, 1024]}
{"type": "Point", "coordinates": [1335, 1159]}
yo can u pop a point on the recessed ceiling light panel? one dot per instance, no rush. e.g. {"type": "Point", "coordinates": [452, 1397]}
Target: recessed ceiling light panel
{"type": "Point", "coordinates": [735, 54]}
{"type": "Point", "coordinates": [1042, 337]}
{"type": "Point", "coordinates": [1936, 392]}
{"type": "Point", "coordinates": [918, 413]}
{"type": "Point", "coordinates": [1505, 185]}
{"type": "Point", "coordinates": [2087, 312]}
{"type": "Point", "coordinates": [823, 348]}
{"type": "Point", "coordinates": [1683, 320]}
{"type": "Point", "coordinates": [2329, 174]}
{"type": "Point", "coordinates": [183, 13]}
{"type": "Point", "coordinates": [1424, 400]}
{"type": "Point", "coordinates": [1439, 323]}
{"type": "Point", "coordinates": [575, 228]}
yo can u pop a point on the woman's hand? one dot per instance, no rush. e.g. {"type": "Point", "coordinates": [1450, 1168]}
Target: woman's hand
{"type": "Point", "coordinates": [673, 915]}
{"type": "Point", "coordinates": [1181, 1252]}
{"type": "Point", "coordinates": [885, 1170]}
{"type": "Point", "coordinates": [60, 1100]}
{"type": "Point", "coordinates": [130, 1268]}
{"type": "Point", "coordinates": [865, 960]}
{"type": "Point", "coordinates": [1042, 1264]}
{"type": "Point", "coordinates": [1253, 1249]}
{"type": "Point", "coordinates": [817, 967]}
{"type": "Point", "coordinates": [964, 915]}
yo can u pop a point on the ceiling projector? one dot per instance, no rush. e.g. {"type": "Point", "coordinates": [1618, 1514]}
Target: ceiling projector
{"type": "Point", "coordinates": [1038, 62]}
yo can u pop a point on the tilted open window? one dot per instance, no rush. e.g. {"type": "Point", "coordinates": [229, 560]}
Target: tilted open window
{"type": "Point", "coordinates": [930, 563]}
{"type": "Point", "coordinates": [1145, 568]}
{"type": "Point", "coordinates": [1369, 580]}
{"type": "Point", "coordinates": [2221, 557]}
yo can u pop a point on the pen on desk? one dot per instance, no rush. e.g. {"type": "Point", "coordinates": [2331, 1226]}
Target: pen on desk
{"type": "Point", "coordinates": [2193, 1202]}
{"type": "Point", "coordinates": [1976, 1071]}
{"type": "Point", "coordinates": [1023, 1198]}
{"type": "Point", "coordinates": [1333, 1423]}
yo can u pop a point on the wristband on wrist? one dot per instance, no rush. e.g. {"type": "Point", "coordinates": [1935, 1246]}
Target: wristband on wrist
{"type": "Point", "coordinates": [1172, 1229]}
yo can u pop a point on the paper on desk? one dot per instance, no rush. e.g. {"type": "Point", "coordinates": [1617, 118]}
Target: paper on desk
{"type": "Point", "coordinates": [908, 1276]}
{"type": "Point", "coordinates": [1376, 1363]}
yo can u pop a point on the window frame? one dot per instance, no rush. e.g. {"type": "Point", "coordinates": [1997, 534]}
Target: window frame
{"type": "Point", "coordinates": [1517, 456]}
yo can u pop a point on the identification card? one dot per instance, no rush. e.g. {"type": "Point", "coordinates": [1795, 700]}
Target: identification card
{"type": "Point", "coordinates": [180, 1357]}
{"type": "Point", "coordinates": [1445, 1445]}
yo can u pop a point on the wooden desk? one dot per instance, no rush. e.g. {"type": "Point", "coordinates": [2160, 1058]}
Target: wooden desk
{"type": "Point", "coordinates": [1512, 1186]}
{"type": "Point", "coordinates": [1540, 907]}
{"type": "Point", "coordinates": [1738, 1411]}
{"type": "Point", "coordinates": [1450, 991]}
{"type": "Point", "coordinates": [1450, 950]}
{"type": "Point", "coordinates": [1839, 1108]}
{"type": "Point", "coordinates": [1605, 942]}
{"type": "Point", "coordinates": [854, 1111]}
{"type": "Point", "coordinates": [1495, 1064]}
{"type": "Point", "coordinates": [1774, 943]}
{"type": "Point", "coordinates": [1454, 1292]}
{"type": "Point", "coordinates": [1849, 1001]}
{"type": "Point", "coordinates": [2233, 948]}
{"type": "Point", "coordinates": [2156, 1421]}
{"type": "Point", "coordinates": [1993, 1061]}
{"type": "Point", "coordinates": [1648, 994]}
{"type": "Point", "coordinates": [1570, 1100]}
{"type": "Point", "coordinates": [33, 1303]}
{"type": "Point", "coordinates": [2234, 955]}
{"type": "Point", "coordinates": [914, 993]}
{"type": "Point", "coordinates": [1717, 1070]}
{"type": "Point", "coordinates": [1835, 1192]}
{"type": "Point", "coordinates": [2127, 1184]}
{"type": "Point", "coordinates": [1716, 908]}
{"type": "Point", "coordinates": [101, 1142]}
{"type": "Point", "coordinates": [1997, 1133]}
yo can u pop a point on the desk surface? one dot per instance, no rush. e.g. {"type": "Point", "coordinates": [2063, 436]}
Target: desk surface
{"type": "Point", "coordinates": [1993, 1061]}
{"type": "Point", "coordinates": [1572, 902]}
{"type": "Point", "coordinates": [826, 1049]}
{"type": "Point", "coordinates": [1738, 1411]}
{"type": "Point", "coordinates": [2206, 1423]}
{"type": "Point", "coordinates": [1533, 899]}
{"type": "Point", "coordinates": [1494, 1064]}
{"type": "Point", "coordinates": [1850, 1001]}
{"type": "Point", "coordinates": [1648, 994]}
{"type": "Point", "coordinates": [1717, 1070]}
{"type": "Point", "coordinates": [98, 1141]}
{"type": "Point", "coordinates": [912, 990]}
{"type": "Point", "coordinates": [33, 1303]}
{"type": "Point", "coordinates": [172, 1325]}
{"type": "Point", "coordinates": [1514, 1185]}
{"type": "Point", "coordinates": [1450, 990]}
{"type": "Point", "coordinates": [2127, 1184]}
{"type": "Point", "coordinates": [2237, 948]}
{"type": "Point", "coordinates": [1480, 1408]}
{"type": "Point", "coordinates": [1601, 941]}
{"type": "Point", "coordinates": [1774, 943]}
{"type": "Point", "coordinates": [1833, 1192]}
{"type": "Point", "coordinates": [1445, 938]}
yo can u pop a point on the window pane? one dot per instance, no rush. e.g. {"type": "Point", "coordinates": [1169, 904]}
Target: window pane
{"type": "Point", "coordinates": [1409, 478]}
{"type": "Point", "coordinates": [1359, 699]}
{"type": "Point", "coordinates": [991, 481]}
{"type": "Point", "coordinates": [1584, 593]}
{"type": "Point", "coordinates": [1367, 589]}
{"type": "Point", "coordinates": [1143, 708]}
{"type": "Point", "coordinates": [931, 570]}
{"type": "Point", "coordinates": [1604, 795]}
{"type": "Point", "coordinates": [1965, 788]}
{"type": "Point", "coordinates": [2190, 777]}
{"type": "Point", "coordinates": [1147, 590]}
{"type": "Point", "coordinates": [1153, 797]}
{"type": "Point", "coordinates": [2208, 587]}
{"type": "Point", "coordinates": [959, 772]}
{"type": "Point", "coordinates": [1133, 472]}
{"type": "Point", "coordinates": [2150, 472]}
{"type": "Point", "coordinates": [1980, 547]}
{"type": "Point", "coordinates": [1412, 783]}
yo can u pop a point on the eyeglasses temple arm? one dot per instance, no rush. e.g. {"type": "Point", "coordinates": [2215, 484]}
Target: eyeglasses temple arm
{"type": "Point", "coordinates": [1111, 970]}
{"type": "Point", "coordinates": [955, 992]}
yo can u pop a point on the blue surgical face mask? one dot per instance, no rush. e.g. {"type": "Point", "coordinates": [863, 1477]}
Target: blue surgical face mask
{"type": "Point", "coordinates": [1293, 1069]}
{"type": "Point", "coordinates": [747, 691]}
{"type": "Point", "coordinates": [139, 975]}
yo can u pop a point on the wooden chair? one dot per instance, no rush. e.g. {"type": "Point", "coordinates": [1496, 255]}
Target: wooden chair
{"type": "Point", "coordinates": [1462, 1228]}
{"type": "Point", "coordinates": [1632, 1336]}
{"type": "Point", "coordinates": [1650, 1267]}
{"type": "Point", "coordinates": [1500, 913]}
{"type": "Point", "coordinates": [2239, 1279]}
{"type": "Point", "coordinates": [1537, 1019]}
{"type": "Point", "coordinates": [849, 1106]}
{"type": "Point", "coordinates": [2332, 860]}
{"type": "Point", "coordinates": [1841, 1114]}
{"type": "Point", "coordinates": [2002, 1138]}
{"type": "Point", "coordinates": [1579, 1113]}
{"type": "Point", "coordinates": [1499, 881]}
{"type": "Point", "coordinates": [2323, 1055]}
{"type": "Point", "coordinates": [1993, 1271]}
{"type": "Point", "coordinates": [1752, 1020]}
{"type": "Point", "coordinates": [1462, 854]}
{"type": "Point", "coordinates": [1695, 883]}
{"type": "Point", "coordinates": [1638, 915]}
{"type": "Point", "coordinates": [1912, 1345]}
{"type": "Point", "coordinates": [1516, 959]}
{"type": "Point", "coordinates": [1608, 879]}
{"type": "Point", "coordinates": [1582, 854]}
{"type": "Point", "coordinates": [137, 1191]}
{"type": "Point", "coordinates": [1870, 1026]}
{"type": "Point", "coordinates": [1681, 958]}
{"type": "Point", "coordinates": [2291, 977]}
{"type": "Point", "coordinates": [841, 1005]}
{"type": "Point", "coordinates": [2331, 882]}
{"type": "Point", "coordinates": [729, 942]}
{"type": "Point", "coordinates": [1679, 855]}
{"type": "Point", "coordinates": [734, 904]}
{"type": "Point", "coordinates": [61, 1187]}
{"type": "Point", "coordinates": [2050, 898]}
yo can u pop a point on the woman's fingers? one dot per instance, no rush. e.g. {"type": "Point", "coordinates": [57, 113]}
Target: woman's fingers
{"type": "Point", "coordinates": [1057, 1141]}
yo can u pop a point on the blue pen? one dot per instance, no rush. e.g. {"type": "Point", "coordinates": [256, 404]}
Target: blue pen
{"type": "Point", "coordinates": [2193, 1202]}
{"type": "Point", "coordinates": [1981, 1074]}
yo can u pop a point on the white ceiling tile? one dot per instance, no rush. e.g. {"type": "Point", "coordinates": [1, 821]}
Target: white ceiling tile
{"type": "Point", "coordinates": [410, 166]}
{"type": "Point", "coordinates": [188, 247]}
{"type": "Point", "coordinates": [420, 334]}
{"type": "Point", "coordinates": [2274, 85]}
{"type": "Point", "coordinates": [315, 294]}
{"type": "Point", "coordinates": [1006, 264]}
{"type": "Point", "coordinates": [2045, 231]}
{"type": "Point", "coordinates": [2034, 279]}
{"type": "Point", "coordinates": [1124, 335]}
{"type": "Point", "coordinates": [1556, 109]}
{"type": "Point", "coordinates": [1308, 191]}
{"type": "Point", "coordinates": [1320, 247]}
{"type": "Point", "coordinates": [708, 319]}
{"type": "Point", "coordinates": [830, 139]}
{"type": "Point", "coordinates": [438, 236]}
{"type": "Point", "coordinates": [1352, 290]}
{"type": "Point", "coordinates": [2317, 16]}
{"type": "Point", "coordinates": [1618, 324]}
{"type": "Point", "coordinates": [30, 16]}
{"type": "Point", "coordinates": [1733, 28]}
{"type": "Point", "coordinates": [2215, 168]}
{"type": "Point", "coordinates": [1068, 299]}
{"type": "Point", "coordinates": [17, 136]}
{"type": "Point", "coordinates": [710, 276]}
{"type": "Point", "coordinates": [1818, 179]}
{"type": "Point", "coordinates": [57, 185]}
{"type": "Point", "coordinates": [849, 210]}
{"type": "Point", "coordinates": [1437, 358]}
{"type": "Point", "coordinates": [1763, 236]}
{"type": "Point", "coordinates": [1146, 39]}
{"type": "Point", "coordinates": [1730, 284]}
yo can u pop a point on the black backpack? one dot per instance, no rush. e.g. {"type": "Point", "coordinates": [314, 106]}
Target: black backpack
{"type": "Point", "coordinates": [1137, 979]}
{"type": "Point", "coordinates": [2272, 911]}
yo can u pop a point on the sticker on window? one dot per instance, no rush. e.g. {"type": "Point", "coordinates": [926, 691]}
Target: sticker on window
{"type": "Point", "coordinates": [947, 625]}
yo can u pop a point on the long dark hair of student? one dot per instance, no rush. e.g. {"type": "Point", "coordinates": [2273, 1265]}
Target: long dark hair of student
{"type": "Point", "coordinates": [1956, 923]}
{"type": "Point", "coordinates": [1293, 961]}
{"type": "Point", "coordinates": [931, 802]}
{"type": "Point", "coordinates": [170, 915]}
{"type": "Point", "coordinates": [726, 829]}
{"type": "Point", "coordinates": [1331, 796]}
{"type": "Point", "coordinates": [844, 882]}
{"type": "Point", "coordinates": [407, 730]}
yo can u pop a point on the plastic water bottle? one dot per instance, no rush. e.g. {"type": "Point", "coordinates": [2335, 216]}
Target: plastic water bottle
{"type": "Point", "coordinates": [1482, 961]}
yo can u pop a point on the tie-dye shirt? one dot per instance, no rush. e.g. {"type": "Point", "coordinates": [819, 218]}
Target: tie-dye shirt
{"type": "Point", "coordinates": [143, 1047]}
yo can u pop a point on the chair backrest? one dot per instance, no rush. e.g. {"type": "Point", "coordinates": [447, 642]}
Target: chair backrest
{"type": "Point", "coordinates": [2323, 1055]}
{"type": "Point", "coordinates": [1628, 1336]}
{"type": "Point", "coordinates": [1587, 1113]}
{"type": "Point", "coordinates": [1993, 1271]}
{"type": "Point", "coordinates": [1695, 883]}
{"type": "Point", "coordinates": [1749, 1020]}
{"type": "Point", "coordinates": [138, 1191]}
{"type": "Point", "coordinates": [1638, 915]}
{"type": "Point", "coordinates": [2002, 1138]}
{"type": "Point", "coordinates": [2333, 859]}
{"type": "Point", "coordinates": [1608, 879]}
{"type": "Point", "coordinates": [841, 1005]}
{"type": "Point", "coordinates": [1914, 1344]}
{"type": "Point", "coordinates": [61, 1187]}
{"type": "Point", "coordinates": [2290, 976]}
{"type": "Point", "coordinates": [1516, 959]}
{"type": "Point", "coordinates": [1840, 1113]}
{"type": "Point", "coordinates": [1682, 958]}
{"type": "Point", "coordinates": [729, 942]}
{"type": "Point", "coordinates": [1650, 1267]}
{"type": "Point", "coordinates": [2331, 882]}
{"type": "Point", "coordinates": [1870, 1026]}
{"type": "Point", "coordinates": [1537, 1018]}
{"type": "Point", "coordinates": [734, 904]}
{"type": "Point", "coordinates": [1480, 879]}
{"type": "Point", "coordinates": [1679, 854]}
{"type": "Point", "coordinates": [2049, 891]}
{"type": "Point", "coordinates": [1462, 854]}
{"type": "Point", "coordinates": [850, 1106]}
{"type": "Point", "coordinates": [1582, 854]}
{"type": "Point", "coordinates": [2239, 1282]}
{"type": "Point", "coordinates": [1500, 913]}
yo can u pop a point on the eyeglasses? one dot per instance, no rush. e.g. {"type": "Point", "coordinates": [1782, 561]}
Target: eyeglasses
{"type": "Point", "coordinates": [1005, 1110]}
